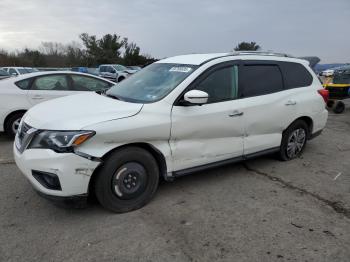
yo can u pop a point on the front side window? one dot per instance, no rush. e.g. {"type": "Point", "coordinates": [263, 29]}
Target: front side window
{"type": "Point", "coordinates": [12, 71]}
{"type": "Point", "coordinates": [152, 83]}
{"type": "Point", "coordinates": [51, 82]}
{"type": "Point", "coordinates": [221, 85]}
{"type": "Point", "coordinates": [84, 83]}
{"type": "Point", "coordinates": [23, 71]}
{"type": "Point", "coordinates": [260, 79]}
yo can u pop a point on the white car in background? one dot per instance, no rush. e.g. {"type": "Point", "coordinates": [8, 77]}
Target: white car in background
{"type": "Point", "coordinates": [18, 94]}
{"type": "Point", "coordinates": [16, 71]}
{"type": "Point", "coordinates": [115, 72]}
{"type": "Point", "coordinates": [328, 72]}
{"type": "Point", "coordinates": [176, 116]}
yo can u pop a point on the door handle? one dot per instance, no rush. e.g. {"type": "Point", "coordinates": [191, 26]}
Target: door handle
{"type": "Point", "coordinates": [236, 113]}
{"type": "Point", "coordinates": [291, 103]}
{"type": "Point", "coordinates": [38, 97]}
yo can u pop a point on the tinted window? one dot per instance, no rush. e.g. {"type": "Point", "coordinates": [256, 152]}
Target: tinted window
{"type": "Point", "coordinates": [152, 83]}
{"type": "Point", "coordinates": [84, 83]}
{"type": "Point", "coordinates": [221, 85]}
{"type": "Point", "coordinates": [12, 71]}
{"type": "Point", "coordinates": [295, 75]}
{"type": "Point", "coordinates": [261, 80]}
{"type": "Point", "coordinates": [102, 69]}
{"type": "Point", "coordinates": [52, 82]}
{"type": "Point", "coordinates": [24, 84]}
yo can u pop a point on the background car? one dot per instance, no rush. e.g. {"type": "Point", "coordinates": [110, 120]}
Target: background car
{"type": "Point", "coordinates": [18, 94]}
{"type": "Point", "coordinates": [328, 72]}
{"type": "Point", "coordinates": [4, 74]}
{"type": "Point", "coordinates": [15, 71]}
{"type": "Point", "coordinates": [115, 72]}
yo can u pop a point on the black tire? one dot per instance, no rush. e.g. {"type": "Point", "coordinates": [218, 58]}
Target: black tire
{"type": "Point", "coordinates": [288, 136]}
{"type": "Point", "coordinates": [121, 79]}
{"type": "Point", "coordinates": [339, 107]}
{"type": "Point", "coordinates": [330, 103]}
{"type": "Point", "coordinates": [124, 165]}
{"type": "Point", "coordinates": [11, 122]}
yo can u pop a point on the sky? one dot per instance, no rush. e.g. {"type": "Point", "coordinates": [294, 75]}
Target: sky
{"type": "Point", "coordinates": [164, 28]}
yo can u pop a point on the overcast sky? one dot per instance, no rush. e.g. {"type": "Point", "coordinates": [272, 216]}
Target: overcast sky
{"type": "Point", "coordinates": [170, 27]}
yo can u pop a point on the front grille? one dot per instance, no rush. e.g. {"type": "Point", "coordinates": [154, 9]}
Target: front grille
{"type": "Point", "coordinates": [24, 135]}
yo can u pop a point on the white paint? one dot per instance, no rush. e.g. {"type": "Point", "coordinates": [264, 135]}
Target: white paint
{"type": "Point", "coordinates": [187, 136]}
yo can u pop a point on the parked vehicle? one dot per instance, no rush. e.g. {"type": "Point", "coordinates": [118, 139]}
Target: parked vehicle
{"type": "Point", "coordinates": [4, 74]}
{"type": "Point", "coordinates": [18, 94]}
{"type": "Point", "coordinates": [116, 73]}
{"type": "Point", "coordinates": [15, 71]}
{"type": "Point", "coordinates": [328, 72]}
{"type": "Point", "coordinates": [339, 89]}
{"type": "Point", "coordinates": [177, 116]}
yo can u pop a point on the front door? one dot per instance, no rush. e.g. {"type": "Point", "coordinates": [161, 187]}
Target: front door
{"type": "Point", "coordinates": [48, 87]}
{"type": "Point", "coordinates": [211, 132]}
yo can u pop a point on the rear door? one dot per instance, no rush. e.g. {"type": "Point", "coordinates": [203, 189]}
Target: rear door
{"type": "Point", "coordinates": [267, 106]}
{"type": "Point", "coordinates": [48, 87]}
{"type": "Point", "coordinates": [211, 132]}
{"type": "Point", "coordinates": [87, 83]}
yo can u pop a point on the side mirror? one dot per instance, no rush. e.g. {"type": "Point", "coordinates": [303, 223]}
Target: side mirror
{"type": "Point", "coordinates": [196, 97]}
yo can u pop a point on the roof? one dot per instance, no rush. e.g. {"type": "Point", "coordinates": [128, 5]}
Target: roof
{"type": "Point", "coordinates": [198, 59]}
{"type": "Point", "coordinates": [192, 59]}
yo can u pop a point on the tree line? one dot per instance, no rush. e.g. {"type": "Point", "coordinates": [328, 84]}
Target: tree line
{"type": "Point", "coordinates": [90, 52]}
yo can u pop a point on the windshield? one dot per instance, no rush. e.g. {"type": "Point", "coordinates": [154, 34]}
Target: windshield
{"type": "Point", "coordinates": [151, 83]}
{"type": "Point", "coordinates": [23, 70]}
{"type": "Point", "coordinates": [120, 68]}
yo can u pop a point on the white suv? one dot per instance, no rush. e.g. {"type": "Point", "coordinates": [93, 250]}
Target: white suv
{"type": "Point", "coordinates": [177, 116]}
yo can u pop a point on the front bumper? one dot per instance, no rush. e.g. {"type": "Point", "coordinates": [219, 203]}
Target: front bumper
{"type": "Point", "coordinates": [73, 171]}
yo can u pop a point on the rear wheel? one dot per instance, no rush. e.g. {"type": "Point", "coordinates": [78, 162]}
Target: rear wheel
{"type": "Point", "coordinates": [127, 180]}
{"type": "Point", "coordinates": [12, 124]}
{"type": "Point", "coordinates": [294, 140]}
{"type": "Point", "coordinates": [121, 79]}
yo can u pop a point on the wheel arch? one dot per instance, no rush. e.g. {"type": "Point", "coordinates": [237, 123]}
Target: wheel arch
{"type": "Point", "coordinates": [308, 120]}
{"type": "Point", "coordinates": [158, 156]}
{"type": "Point", "coordinates": [11, 114]}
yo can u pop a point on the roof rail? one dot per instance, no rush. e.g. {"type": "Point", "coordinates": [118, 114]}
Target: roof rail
{"type": "Point", "coordinates": [263, 53]}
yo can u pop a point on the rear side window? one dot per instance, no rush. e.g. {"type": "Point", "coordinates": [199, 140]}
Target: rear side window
{"type": "Point", "coordinates": [295, 75]}
{"type": "Point", "coordinates": [23, 84]}
{"type": "Point", "coordinates": [261, 80]}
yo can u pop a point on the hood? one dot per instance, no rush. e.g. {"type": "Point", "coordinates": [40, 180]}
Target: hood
{"type": "Point", "coordinates": [130, 71]}
{"type": "Point", "coordinates": [77, 111]}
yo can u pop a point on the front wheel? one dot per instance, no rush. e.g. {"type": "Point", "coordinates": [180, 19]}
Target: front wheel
{"type": "Point", "coordinates": [127, 180]}
{"type": "Point", "coordinates": [12, 124]}
{"type": "Point", "coordinates": [294, 140]}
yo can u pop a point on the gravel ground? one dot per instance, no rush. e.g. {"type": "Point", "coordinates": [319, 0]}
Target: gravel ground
{"type": "Point", "coordinates": [259, 210]}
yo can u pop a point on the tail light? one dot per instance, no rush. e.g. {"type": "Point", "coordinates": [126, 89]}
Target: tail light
{"type": "Point", "coordinates": [325, 94]}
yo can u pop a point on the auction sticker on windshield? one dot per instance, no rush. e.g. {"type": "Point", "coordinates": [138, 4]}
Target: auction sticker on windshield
{"type": "Point", "coordinates": [182, 69]}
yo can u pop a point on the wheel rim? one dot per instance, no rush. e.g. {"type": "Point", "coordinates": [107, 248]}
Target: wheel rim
{"type": "Point", "coordinates": [15, 125]}
{"type": "Point", "coordinates": [129, 181]}
{"type": "Point", "coordinates": [296, 142]}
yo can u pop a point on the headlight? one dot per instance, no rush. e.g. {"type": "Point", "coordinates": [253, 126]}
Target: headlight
{"type": "Point", "coordinates": [60, 141]}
